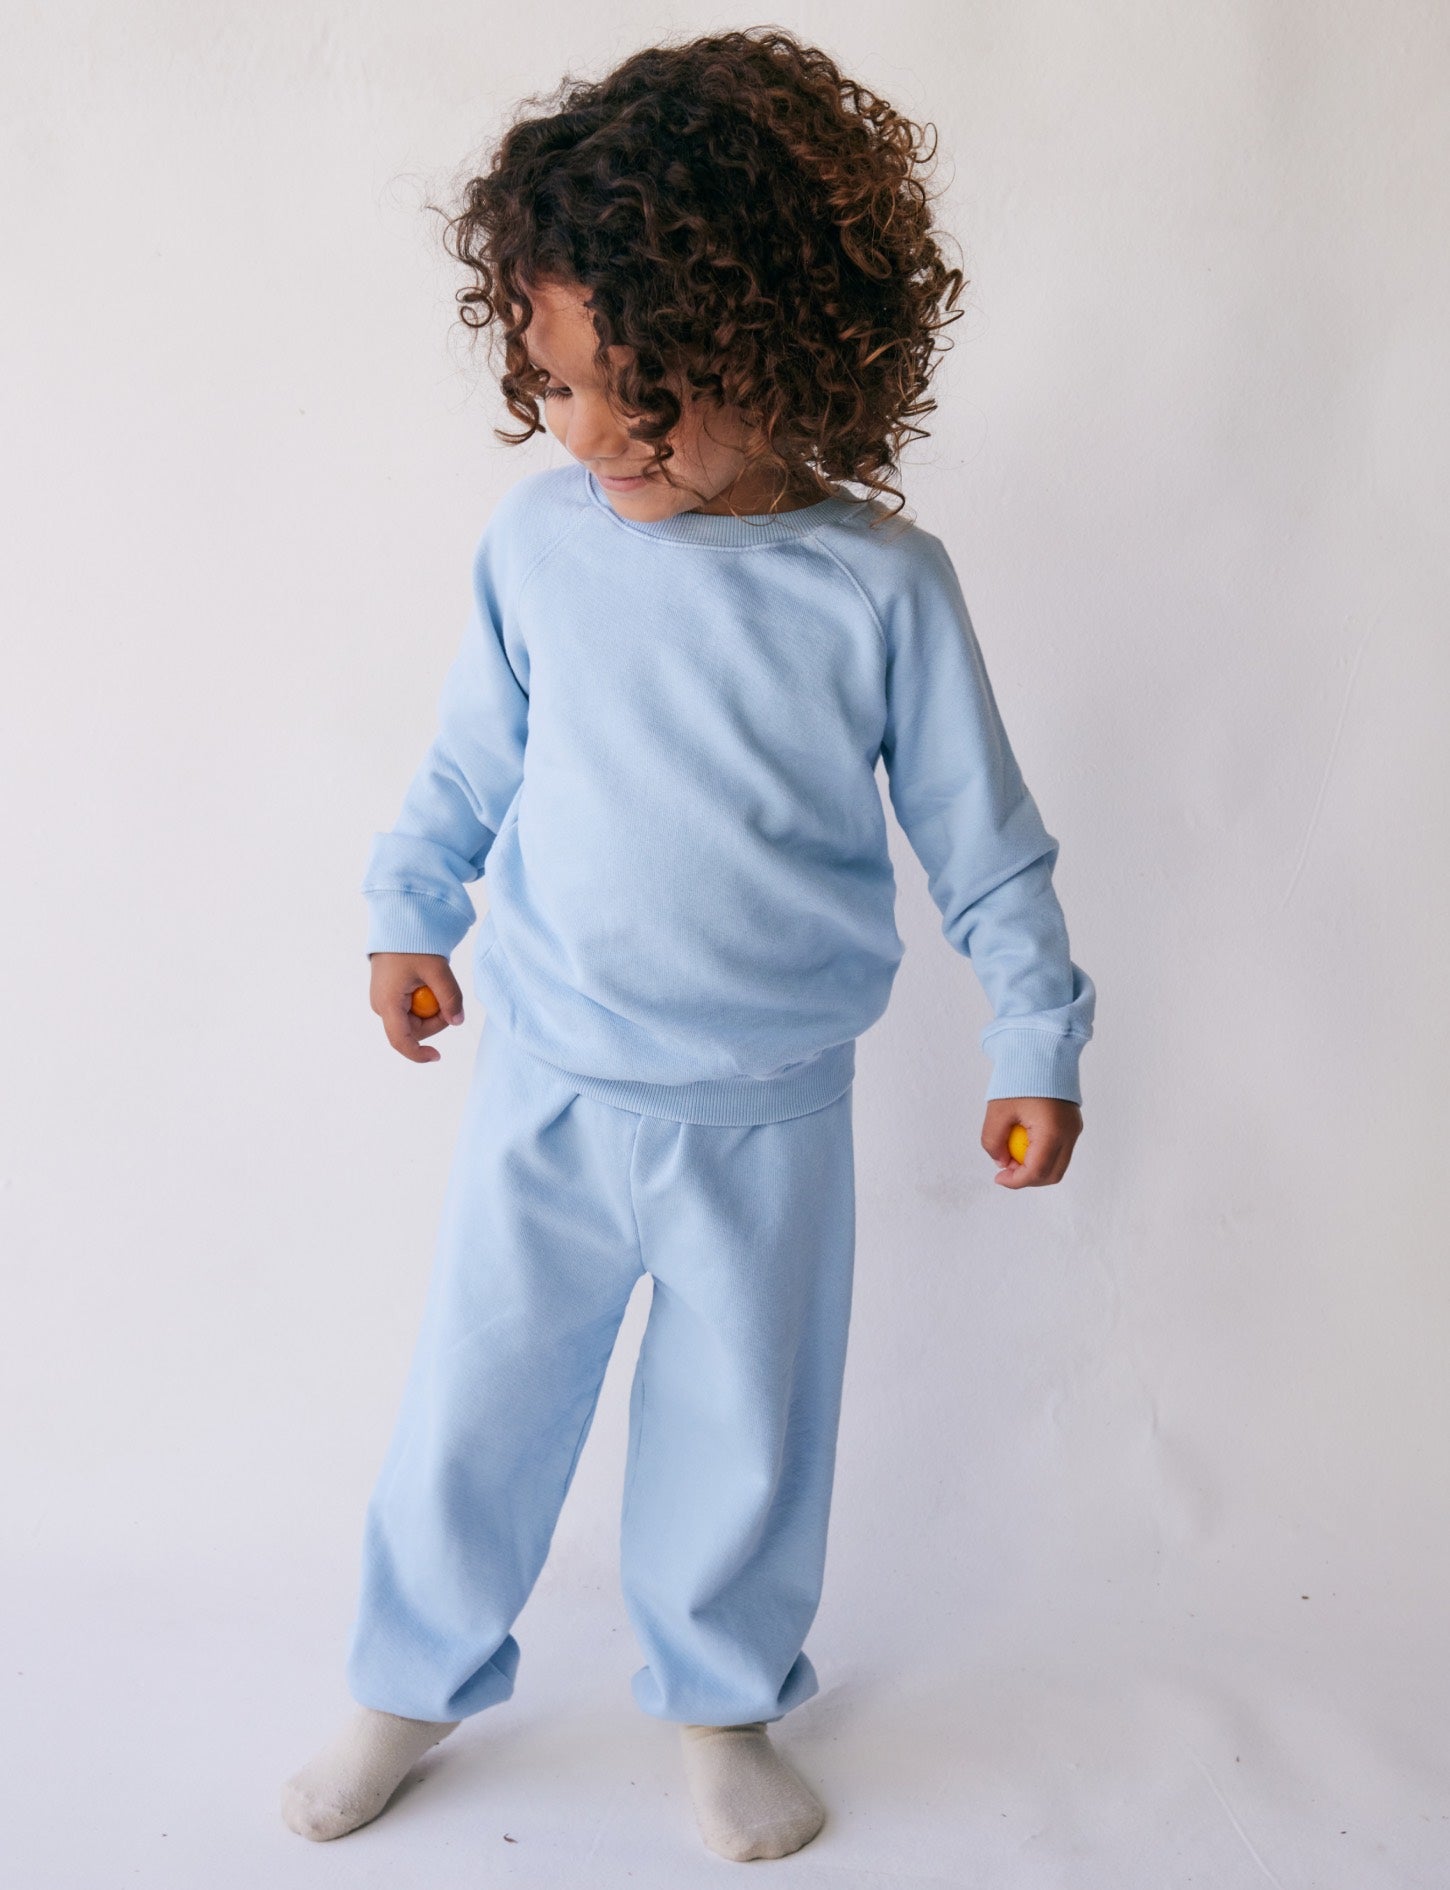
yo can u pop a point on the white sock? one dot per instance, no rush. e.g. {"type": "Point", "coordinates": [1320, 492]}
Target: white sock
{"type": "Point", "coordinates": [351, 1779]}
{"type": "Point", "coordinates": [748, 1801]}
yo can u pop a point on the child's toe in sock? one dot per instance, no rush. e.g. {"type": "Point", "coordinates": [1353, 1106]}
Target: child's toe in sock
{"type": "Point", "coordinates": [748, 1800]}
{"type": "Point", "coordinates": [351, 1779]}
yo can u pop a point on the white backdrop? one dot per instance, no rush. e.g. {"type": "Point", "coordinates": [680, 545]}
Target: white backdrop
{"type": "Point", "coordinates": [1139, 1548]}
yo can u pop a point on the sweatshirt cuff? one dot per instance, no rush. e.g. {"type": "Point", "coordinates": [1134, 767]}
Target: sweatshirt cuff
{"type": "Point", "coordinates": [413, 922]}
{"type": "Point", "coordinates": [1031, 1061]}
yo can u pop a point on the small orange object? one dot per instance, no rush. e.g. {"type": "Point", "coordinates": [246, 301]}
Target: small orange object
{"type": "Point", "coordinates": [424, 1003]}
{"type": "Point", "coordinates": [1017, 1142]}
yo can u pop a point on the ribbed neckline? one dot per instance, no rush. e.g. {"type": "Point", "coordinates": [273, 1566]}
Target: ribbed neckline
{"type": "Point", "coordinates": [724, 528]}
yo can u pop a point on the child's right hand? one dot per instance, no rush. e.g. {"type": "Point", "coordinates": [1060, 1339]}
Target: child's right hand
{"type": "Point", "coordinates": [395, 977]}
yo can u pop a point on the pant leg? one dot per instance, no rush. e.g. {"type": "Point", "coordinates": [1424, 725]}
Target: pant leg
{"type": "Point", "coordinates": [536, 1256]}
{"type": "Point", "coordinates": [749, 1235]}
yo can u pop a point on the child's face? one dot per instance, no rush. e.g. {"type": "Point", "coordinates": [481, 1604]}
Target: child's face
{"type": "Point", "coordinates": [710, 442]}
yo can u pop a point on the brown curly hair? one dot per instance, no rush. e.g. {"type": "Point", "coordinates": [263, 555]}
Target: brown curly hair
{"type": "Point", "coordinates": [750, 225]}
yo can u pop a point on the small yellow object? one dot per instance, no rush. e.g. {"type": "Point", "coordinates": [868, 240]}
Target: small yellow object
{"type": "Point", "coordinates": [424, 1003]}
{"type": "Point", "coordinates": [1017, 1143]}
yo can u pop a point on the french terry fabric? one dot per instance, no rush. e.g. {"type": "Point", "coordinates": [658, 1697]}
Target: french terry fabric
{"type": "Point", "coordinates": [557, 1205]}
{"type": "Point", "coordinates": [657, 744]}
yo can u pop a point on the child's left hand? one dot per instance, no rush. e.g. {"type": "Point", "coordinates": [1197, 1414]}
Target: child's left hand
{"type": "Point", "coordinates": [1052, 1125]}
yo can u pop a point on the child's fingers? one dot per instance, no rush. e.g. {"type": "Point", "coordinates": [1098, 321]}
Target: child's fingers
{"type": "Point", "coordinates": [404, 1033]}
{"type": "Point", "coordinates": [994, 1138]}
{"type": "Point", "coordinates": [1036, 1169]}
{"type": "Point", "coordinates": [415, 995]}
{"type": "Point", "coordinates": [438, 998]}
{"type": "Point", "coordinates": [422, 1018]}
{"type": "Point", "coordinates": [406, 1030]}
{"type": "Point", "coordinates": [1059, 1167]}
{"type": "Point", "coordinates": [1031, 1139]}
{"type": "Point", "coordinates": [444, 987]}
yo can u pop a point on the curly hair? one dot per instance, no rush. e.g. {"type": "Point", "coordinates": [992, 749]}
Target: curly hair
{"type": "Point", "coordinates": [751, 227]}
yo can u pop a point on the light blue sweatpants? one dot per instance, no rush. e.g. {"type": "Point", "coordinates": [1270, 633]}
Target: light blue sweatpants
{"type": "Point", "coordinates": [556, 1203]}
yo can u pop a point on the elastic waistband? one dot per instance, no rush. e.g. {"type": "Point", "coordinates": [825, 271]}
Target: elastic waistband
{"type": "Point", "coordinates": [728, 1101]}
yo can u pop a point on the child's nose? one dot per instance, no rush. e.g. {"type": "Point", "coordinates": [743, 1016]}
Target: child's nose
{"type": "Point", "coordinates": [595, 436]}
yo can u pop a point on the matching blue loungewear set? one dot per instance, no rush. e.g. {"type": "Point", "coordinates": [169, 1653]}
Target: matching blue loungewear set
{"type": "Point", "coordinates": [658, 745]}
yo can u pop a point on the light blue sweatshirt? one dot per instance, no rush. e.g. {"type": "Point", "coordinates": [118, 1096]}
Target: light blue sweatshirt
{"type": "Point", "coordinates": [658, 743]}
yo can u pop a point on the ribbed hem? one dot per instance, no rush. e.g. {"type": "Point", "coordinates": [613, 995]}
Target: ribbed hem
{"type": "Point", "coordinates": [1031, 1061]}
{"type": "Point", "coordinates": [728, 1101]}
{"type": "Point", "coordinates": [402, 921]}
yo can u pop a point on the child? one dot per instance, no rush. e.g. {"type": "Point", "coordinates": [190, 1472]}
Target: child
{"type": "Point", "coordinates": [688, 649]}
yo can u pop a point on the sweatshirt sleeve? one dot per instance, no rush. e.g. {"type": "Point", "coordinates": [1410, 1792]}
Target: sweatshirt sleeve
{"type": "Point", "coordinates": [962, 803]}
{"type": "Point", "coordinates": [416, 873]}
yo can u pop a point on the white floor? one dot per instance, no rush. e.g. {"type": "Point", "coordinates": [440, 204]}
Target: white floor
{"type": "Point", "coordinates": [148, 1732]}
